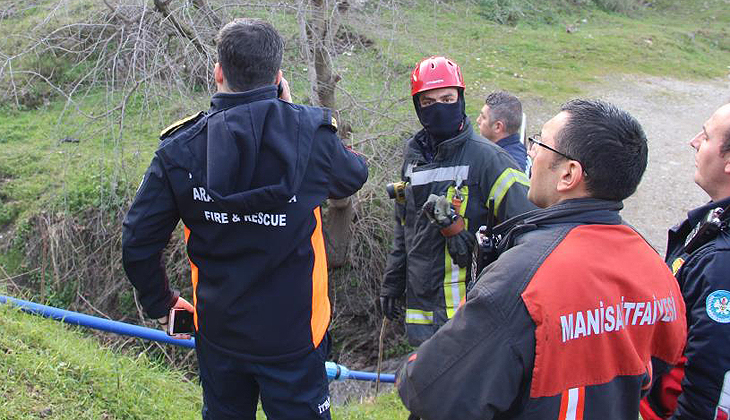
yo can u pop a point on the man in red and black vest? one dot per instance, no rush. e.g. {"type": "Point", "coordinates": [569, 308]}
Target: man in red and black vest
{"type": "Point", "coordinates": [578, 313]}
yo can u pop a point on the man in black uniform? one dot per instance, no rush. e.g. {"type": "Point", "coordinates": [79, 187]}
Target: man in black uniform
{"type": "Point", "coordinates": [445, 165]}
{"type": "Point", "coordinates": [247, 179]}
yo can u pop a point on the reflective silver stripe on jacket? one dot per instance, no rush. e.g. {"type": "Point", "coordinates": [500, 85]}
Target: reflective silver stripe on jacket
{"type": "Point", "coordinates": [448, 173]}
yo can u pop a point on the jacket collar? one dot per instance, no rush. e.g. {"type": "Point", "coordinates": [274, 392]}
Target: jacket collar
{"type": "Point", "coordinates": [695, 215]}
{"type": "Point", "coordinates": [511, 139]}
{"type": "Point", "coordinates": [577, 210]}
{"type": "Point", "coordinates": [221, 101]}
{"type": "Point", "coordinates": [447, 148]}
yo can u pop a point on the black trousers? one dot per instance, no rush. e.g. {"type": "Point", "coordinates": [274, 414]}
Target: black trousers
{"type": "Point", "coordinates": [296, 390]}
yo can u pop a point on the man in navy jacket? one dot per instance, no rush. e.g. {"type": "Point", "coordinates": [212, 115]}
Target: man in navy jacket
{"type": "Point", "coordinates": [247, 179]}
{"type": "Point", "coordinates": [699, 387]}
{"type": "Point", "coordinates": [500, 120]}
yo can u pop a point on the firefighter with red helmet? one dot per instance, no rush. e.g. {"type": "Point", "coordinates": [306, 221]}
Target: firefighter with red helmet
{"type": "Point", "coordinates": [448, 178]}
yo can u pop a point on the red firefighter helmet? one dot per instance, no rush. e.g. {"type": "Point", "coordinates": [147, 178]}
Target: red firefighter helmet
{"type": "Point", "coordinates": [435, 72]}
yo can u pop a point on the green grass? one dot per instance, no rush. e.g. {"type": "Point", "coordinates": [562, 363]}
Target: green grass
{"type": "Point", "coordinates": [54, 158]}
{"type": "Point", "coordinates": [54, 371]}
{"type": "Point", "coordinates": [682, 39]}
{"type": "Point", "coordinates": [386, 407]}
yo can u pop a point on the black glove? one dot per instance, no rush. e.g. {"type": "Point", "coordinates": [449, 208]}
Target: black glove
{"type": "Point", "coordinates": [391, 308]}
{"type": "Point", "coordinates": [461, 246]}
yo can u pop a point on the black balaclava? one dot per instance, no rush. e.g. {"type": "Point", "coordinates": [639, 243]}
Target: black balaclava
{"type": "Point", "coordinates": [442, 121]}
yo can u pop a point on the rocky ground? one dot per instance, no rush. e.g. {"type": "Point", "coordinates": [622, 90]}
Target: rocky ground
{"type": "Point", "coordinates": [671, 112]}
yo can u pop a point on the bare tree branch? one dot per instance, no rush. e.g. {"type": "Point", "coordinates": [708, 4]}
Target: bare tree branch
{"type": "Point", "coordinates": [161, 6]}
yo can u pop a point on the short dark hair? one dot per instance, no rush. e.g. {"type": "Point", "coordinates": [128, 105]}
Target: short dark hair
{"type": "Point", "coordinates": [507, 108]}
{"type": "Point", "coordinates": [250, 53]}
{"type": "Point", "coordinates": [609, 143]}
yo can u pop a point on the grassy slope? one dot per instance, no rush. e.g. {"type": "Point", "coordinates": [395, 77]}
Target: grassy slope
{"type": "Point", "coordinates": [38, 171]}
{"type": "Point", "coordinates": [53, 371]}
{"type": "Point", "coordinates": [684, 39]}
{"type": "Point", "coordinates": [48, 365]}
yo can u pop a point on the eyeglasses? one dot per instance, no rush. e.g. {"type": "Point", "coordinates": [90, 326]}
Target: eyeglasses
{"type": "Point", "coordinates": [535, 140]}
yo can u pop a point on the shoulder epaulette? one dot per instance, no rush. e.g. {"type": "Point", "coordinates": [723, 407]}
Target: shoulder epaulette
{"type": "Point", "coordinates": [329, 119]}
{"type": "Point", "coordinates": [180, 123]}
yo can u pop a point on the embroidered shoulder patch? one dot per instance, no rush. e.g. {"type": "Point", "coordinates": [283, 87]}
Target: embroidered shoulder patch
{"type": "Point", "coordinates": [718, 306]}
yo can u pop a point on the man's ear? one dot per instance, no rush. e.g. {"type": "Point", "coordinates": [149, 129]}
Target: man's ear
{"type": "Point", "coordinates": [499, 126]}
{"type": "Point", "coordinates": [572, 177]}
{"type": "Point", "coordinates": [218, 74]}
{"type": "Point", "coordinates": [279, 75]}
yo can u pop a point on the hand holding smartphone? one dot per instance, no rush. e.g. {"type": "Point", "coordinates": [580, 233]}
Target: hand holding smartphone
{"type": "Point", "coordinates": [283, 91]}
{"type": "Point", "coordinates": [180, 323]}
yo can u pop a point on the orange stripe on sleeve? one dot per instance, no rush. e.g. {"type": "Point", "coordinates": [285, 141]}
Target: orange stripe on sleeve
{"type": "Point", "coordinates": [194, 279]}
{"type": "Point", "coordinates": [320, 298]}
{"type": "Point", "coordinates": [581, 403]}
{"type": "Point", "coordinates": [563, 405]}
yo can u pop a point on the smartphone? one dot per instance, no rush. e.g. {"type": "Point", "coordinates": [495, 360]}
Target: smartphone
{"type": "Point", "coordinates": [180, 322]}
{"type": "Point", "coordinates": [279, 90]}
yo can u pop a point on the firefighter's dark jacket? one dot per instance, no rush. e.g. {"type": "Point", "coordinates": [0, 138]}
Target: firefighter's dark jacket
{"type": "Point", "coordinates": [467, 165]}
{"type": "Point", "coordinates": [247, 179]}
{"type": "Point", "coordinates": [539, 336]}
{"type": "Point", "coordinates": [704, 278]}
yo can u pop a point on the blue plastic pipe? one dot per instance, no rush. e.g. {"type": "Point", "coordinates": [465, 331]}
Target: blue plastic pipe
{"type": "Point", "coordinates": [334, 371]}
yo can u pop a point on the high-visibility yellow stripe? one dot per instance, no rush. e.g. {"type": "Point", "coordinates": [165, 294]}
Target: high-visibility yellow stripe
{"type": "Point", "coordinates": [503, 184]}
{"type": "Point", "coordinates": [454, 286]}
{"type": "Point", "coordinates": [455, 277]}
{"type": "Point", "coordinates": [418, 316]}
{"type": "Point", "coordinates": [676, 265]}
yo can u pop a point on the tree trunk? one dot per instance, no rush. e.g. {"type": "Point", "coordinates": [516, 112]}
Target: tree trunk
{"type": "Point", "coordinates": [317, 30]}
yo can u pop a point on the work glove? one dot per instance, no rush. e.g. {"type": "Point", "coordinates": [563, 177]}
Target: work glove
{"type": "Point", "coordinates": [390, 306]}
{"type": "Point", "coordinates": [439, 211]}
{"type": "Point", "coordinates": [459, 241]}
{"type": "Point", "coordinates": [460, 247]}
